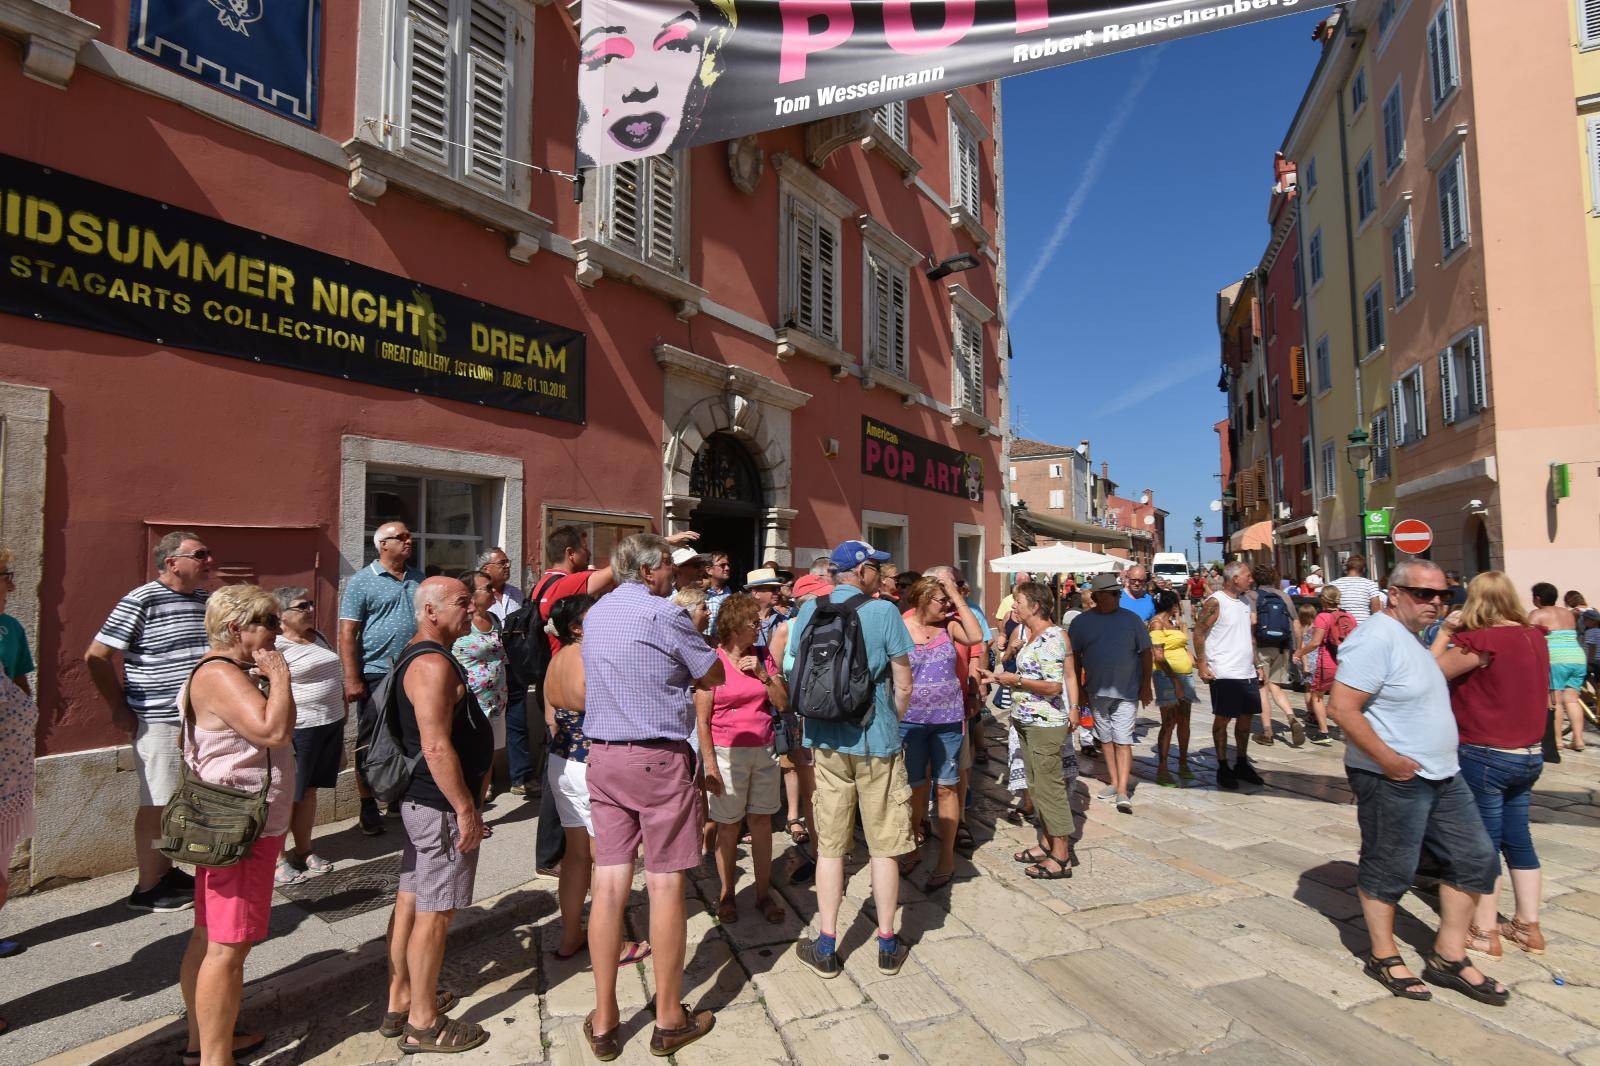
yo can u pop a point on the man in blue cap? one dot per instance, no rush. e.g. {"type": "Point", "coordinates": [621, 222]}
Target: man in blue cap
{"type": "Point", "coordinates": [859, 763]}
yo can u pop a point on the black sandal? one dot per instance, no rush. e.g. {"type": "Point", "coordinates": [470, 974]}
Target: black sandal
{"type": "Point", "coordinates": [1404, 987]}
{"type": "Point", "coordinates": [964, 840]}
{"type": "Point", "coordinates": [1030, 856]}
{"type": "Point", "coordinates": [1040, 872]}
{"type": "Point", "coordinates": [447, 1036]}
{"type": "Point", "coordinates": [1446, 974]}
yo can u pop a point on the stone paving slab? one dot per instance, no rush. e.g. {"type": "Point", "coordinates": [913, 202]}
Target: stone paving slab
{"type": "Point", "coordinates": [1005, 997]}
{"type": "Point", "coordinates": [1156, 1016]}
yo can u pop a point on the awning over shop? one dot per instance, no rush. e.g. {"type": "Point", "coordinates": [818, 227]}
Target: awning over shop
{"type": "Point", "coordinates": [1300, 531]}
{"type": "Point", "coordinates": [1058, 559]}
{"type": "Point", "coordinates": [1251, 538]}
{"type": "Point", "coordinates": [1069, 529]}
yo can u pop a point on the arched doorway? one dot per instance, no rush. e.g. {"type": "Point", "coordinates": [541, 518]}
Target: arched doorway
{"type": "Point", "coordinates": [1479, 554]}
{"type": "Point", "coordinates": [728, 517]}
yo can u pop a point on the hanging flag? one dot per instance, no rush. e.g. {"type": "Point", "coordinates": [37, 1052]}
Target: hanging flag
{"type": "Point", "coordinates": [657, 75]}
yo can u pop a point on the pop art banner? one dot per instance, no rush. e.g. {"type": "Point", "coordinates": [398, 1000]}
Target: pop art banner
{"type": "Point", "coordinates": [657, 75]}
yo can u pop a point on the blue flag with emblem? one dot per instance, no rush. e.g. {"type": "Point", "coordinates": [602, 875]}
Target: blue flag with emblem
{"type": "Point", "coordinates": [262, 51]}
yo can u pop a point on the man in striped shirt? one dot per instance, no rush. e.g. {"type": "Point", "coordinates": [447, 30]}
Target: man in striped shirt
{"type": "Point", "coordinates": [1359, 594]}
{"type": "Point", "coordinates": [159, 629]}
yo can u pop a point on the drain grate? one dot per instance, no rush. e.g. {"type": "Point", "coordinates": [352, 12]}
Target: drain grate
{"type": "Point", "coordinates": [343, 894]}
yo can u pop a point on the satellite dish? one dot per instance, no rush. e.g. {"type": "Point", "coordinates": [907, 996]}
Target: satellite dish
{"type": "Point", "coordinates": [1149, 519]}
{"type": "Point", "coordinates": [1144, 498]}
{"type": "Point", "coordinates": [1216, 505]}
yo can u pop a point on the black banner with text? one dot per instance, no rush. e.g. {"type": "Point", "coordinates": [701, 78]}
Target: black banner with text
{"type": "Point", "coordinates": [892, 453]}
{"type": "Point", "coordinates": [84, 254]}
{"type": "Point", "coordinates": [657, 75]}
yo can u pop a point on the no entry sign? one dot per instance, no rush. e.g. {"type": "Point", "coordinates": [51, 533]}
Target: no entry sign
{"type": "Point", "coordinates": [1412, 536]}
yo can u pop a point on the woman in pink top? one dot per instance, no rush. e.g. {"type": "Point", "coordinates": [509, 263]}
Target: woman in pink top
{"type": "Point", "coordinates": [238, 711]}
{"type": "Point", "coordinates": [743, 782]}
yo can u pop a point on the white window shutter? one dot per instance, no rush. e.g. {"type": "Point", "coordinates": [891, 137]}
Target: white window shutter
{"type": "Point", "coordinates": [1447, 385]}
{"type": "Point", "coordinates": [491, 31]}
{"type": "Point", "coordinates": [661, 230]}
{"type": "Point", "coordinates": [1397, 404]}
{"type": "Point", "coordinates": [1419, 403]}
{"type": "Point", "coordinates": [1476, 379]}
{"type": "Point", "coordinates": [1589, 15]}
{"type": "Point", "coordinates": [625, 201]}
{"type": "Point", "coordinates": [802, 265]}
{"type": "Point", "coordinates": [426, 100]}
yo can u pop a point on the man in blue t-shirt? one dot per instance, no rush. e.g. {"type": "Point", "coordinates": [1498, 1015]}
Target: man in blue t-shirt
{"type": "Point", "coordinates": [1136, 593]}
{"type": "Point", "coordinates": [861, 764]}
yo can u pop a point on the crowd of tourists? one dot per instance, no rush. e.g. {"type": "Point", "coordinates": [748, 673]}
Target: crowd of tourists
{"type": "Point", "coordinates": [677, 719]}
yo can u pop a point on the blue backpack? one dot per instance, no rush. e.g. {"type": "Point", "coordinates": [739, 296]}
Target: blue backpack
{"type": "Point", "coordinates": [1274, 626]}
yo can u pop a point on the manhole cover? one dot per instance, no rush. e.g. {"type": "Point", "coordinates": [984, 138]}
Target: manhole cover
{"type": "Point", "coordinates": [346, 893]}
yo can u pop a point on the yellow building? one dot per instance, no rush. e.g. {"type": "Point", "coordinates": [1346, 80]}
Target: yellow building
{"type": "Point", "coordinates": [1584, 16]}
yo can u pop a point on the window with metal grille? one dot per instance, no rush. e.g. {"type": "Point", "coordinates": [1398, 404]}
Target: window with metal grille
{"type": "Point", "coordinates": [641, 203]}
{"type": "Point", "coordinates": [886, 334]}
{"type": "Point", "coordinates": [812, 298]}
{"type": "Point", "coordinates": [1380, 446]}
{"type": "Point", "coordinates": [967, 352]}
{"type": "Point", "coordinates": [1394, 130]}
{"type": "Point", "coordinates": [1372, 306]}
{"type": "Point", "coordinates": [1366, 189]}
{"type": "Point", "coordinates": [1316, 257]}
{"type": "Point", "coordinates": [1452, 183]}
{"type": "Point", "coordinates": [965, 172]}
{"type": "Point", "coordinates": [1463, 383]}
{"type": "Point", "coordinates": [1401, 258]}
{"type": "Point", "coordinates": [891, 119]}
{"type": "Point", "coordinates": [1442, 64]}
{"type": "Point", "coordinates": [454, 87]}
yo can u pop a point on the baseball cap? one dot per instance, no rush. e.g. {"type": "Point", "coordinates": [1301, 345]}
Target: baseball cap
{"type": "Point", "coordinates": [812, 585]}
{"type": "Point", "coordinates": [852, 553]}
{"type": "Point", "coordinates": [688, 557]}
{"type": "Point", "coordinates": [1105, 583]}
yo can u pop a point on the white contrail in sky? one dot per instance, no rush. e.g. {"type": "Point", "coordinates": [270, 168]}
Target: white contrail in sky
{"type": "Point", "coordinates": [1157, 382]}
{"type": "Point", "coordinates": [1091, 175]}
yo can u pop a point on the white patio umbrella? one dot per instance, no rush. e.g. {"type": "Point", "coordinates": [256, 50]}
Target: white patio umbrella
{"type": "Point", "coordinates": [1058, 559]}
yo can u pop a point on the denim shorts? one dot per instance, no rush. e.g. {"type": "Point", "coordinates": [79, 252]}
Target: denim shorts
{"type": "Point", "coordinates": [932, 748]}
{"type": "Point", "coordinates": [1502, 783]}
{"type": "Point", "coordinates": [1397, 818]}
{"type": "Point", "coordinates": [1170, 690]}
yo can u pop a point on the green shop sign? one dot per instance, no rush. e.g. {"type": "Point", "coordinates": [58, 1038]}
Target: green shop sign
{"type": "Point", "coordinates": [1376, 524]}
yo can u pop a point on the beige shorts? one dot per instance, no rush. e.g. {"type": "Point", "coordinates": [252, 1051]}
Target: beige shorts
{"type": "Point", "coordinates": [879, 785]}
{"type": "Point", "coordinates": [160, 763]}
{"type": "Point", "coordinates": [751, 784]}
{"type": "Point", "coordinates": [1273, 664]}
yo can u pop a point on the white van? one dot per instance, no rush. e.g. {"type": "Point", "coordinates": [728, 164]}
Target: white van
{"type": "Point", "coordinates": [1174, 566]}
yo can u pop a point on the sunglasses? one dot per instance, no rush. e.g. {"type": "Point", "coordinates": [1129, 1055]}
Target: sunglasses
{"type": "Point", "coordinates": [1423, 593]}
{"type": "Point", "coordinates": [303, 605]}
{"type": "Point", "coordinates": [270, 621]}
{"type": "Point", "coordinates": [200, 554]}
{"type": "Point", "coordinates": [397, 536]}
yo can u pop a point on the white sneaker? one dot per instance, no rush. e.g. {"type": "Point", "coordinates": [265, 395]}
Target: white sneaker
{"type": "Point", "coordinates": [1107, 794]}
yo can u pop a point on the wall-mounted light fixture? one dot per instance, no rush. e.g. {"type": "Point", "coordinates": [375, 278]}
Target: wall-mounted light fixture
{"type": "Point", "coordinates": [953, 265]}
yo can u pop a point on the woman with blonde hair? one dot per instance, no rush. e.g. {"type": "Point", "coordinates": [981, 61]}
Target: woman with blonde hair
{"type": "Point", "coordinates": [238, 718]}
{"type": "Point", "coordinates": [1327, 631]}
{"type": "Point", "coordinates": [1498, 666]}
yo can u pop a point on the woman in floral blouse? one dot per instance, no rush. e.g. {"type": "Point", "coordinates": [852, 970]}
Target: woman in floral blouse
{"type": "Point", "coordinates": [1042, 691]}
{"type": "Point", "coordinates": [482, 654]}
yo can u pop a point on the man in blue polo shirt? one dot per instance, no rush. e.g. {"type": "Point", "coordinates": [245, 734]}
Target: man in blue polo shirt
{"type": "Point", "coordinates": [861, 764]}
{"type": "Point", "coordinates": [377, 619]}
{"type": "Point", "coordinates": [1136, 593]}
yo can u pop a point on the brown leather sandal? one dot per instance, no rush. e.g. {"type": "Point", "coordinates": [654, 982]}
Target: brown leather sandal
{"type": "Point", "coordinates": [394, 1022]}
{"type": "Point", "coordinates": [771, 909]}
{"type": "Point", "coordinates": [447, 1036]}
{"type": "Point", "coordinates": [664, 1042]}
{"type": "Point", "coordinates": [605, 1047]}
{"type": "Point", "coordinates": [1525, 935]}
{"type": "Point", "coordinates": [1484, 941]}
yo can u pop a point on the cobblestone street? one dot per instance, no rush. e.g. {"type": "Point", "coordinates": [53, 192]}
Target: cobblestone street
{"type": "Point", "coordinates": [1206, 924]}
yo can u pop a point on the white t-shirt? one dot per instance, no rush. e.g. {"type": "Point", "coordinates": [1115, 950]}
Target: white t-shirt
{"type": "Point", "coordinates": [1410, 704]}
{"type": "Point", "coordinates": [1230, 651]}
{"type": "Point", "coordinates": [1355, 595]}
{"type": "Point", "coordinates": [317, 679]}
{"type": "Point", "coordinates": [1314, 580]}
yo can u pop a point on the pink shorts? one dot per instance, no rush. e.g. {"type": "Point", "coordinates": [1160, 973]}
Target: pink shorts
{"type": "Point", "coordinates": [234, 903]}
{"type": "Point", "coordinates": [645, 792]}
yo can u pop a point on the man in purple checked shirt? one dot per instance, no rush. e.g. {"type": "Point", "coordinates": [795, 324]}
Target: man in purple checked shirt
{"type": "Point", "coordinates": [642, 659]}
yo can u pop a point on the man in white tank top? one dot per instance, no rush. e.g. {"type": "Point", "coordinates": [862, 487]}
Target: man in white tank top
{"type": "Point", "coordinates": [1225, 656]}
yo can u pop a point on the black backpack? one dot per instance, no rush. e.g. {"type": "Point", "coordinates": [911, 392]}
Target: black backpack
{"type": "Point", "coordinates": [527, 646]}
{"type": "Point", "coordinates": [832, 682]}
{"type": "Point", "coordinates": [386, 765]}
{"type": "Point", "coordinates": [1274, 626]}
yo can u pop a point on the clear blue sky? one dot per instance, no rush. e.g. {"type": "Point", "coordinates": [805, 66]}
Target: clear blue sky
{"type": "Point", "coordinates": [1159, 164]}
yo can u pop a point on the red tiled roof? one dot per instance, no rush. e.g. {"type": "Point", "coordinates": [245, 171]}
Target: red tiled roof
{"type": "Point", "coordinates": [1023, 448]}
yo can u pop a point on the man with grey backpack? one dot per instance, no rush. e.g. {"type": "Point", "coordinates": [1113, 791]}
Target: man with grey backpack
{"type": "Point", "coordinates": [850, 684]}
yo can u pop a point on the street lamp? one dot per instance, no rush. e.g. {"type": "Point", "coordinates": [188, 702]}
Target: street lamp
{"type": "Point", "coordinates": [1358, 453]}
{"type": "Point", "coordinates": [1199, 532]}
